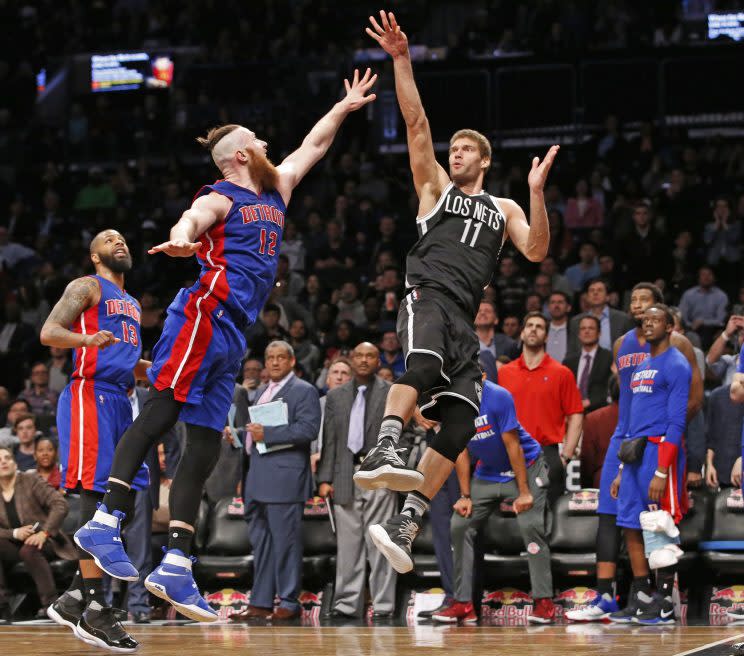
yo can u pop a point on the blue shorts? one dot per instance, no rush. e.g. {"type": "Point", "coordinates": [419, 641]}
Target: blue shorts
{"type": "Point", "coordinates": [633, 497]}
{"type": "Point", "coordinates": [91, 418]}
{"type": "Point", "coordinates": [608, 505]}
{"type": "Point", "coordinates": [198, 356]}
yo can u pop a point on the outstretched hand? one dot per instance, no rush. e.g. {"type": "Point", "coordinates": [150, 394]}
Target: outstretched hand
{"type": "Point", "coordinates": [539, 173]}
{"type": "Point", "coordinates": [176, 248]}
{"type": "Point", "coordinates": [389, 35]}
{"type": "Point", "coordinates": [356, 90]}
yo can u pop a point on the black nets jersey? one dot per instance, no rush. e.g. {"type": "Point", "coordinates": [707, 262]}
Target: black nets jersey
{"type": "Point", "coordinates": [458, 248]}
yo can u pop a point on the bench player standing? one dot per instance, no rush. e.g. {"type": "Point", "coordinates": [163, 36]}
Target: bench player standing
{"type": "Point", "coordinates": [234, 226]}
{"type": "Point", "coordinates": [461, 232]}
{"type": "Point", "coordinates": [101, 322]}
{"type": "Point", "coordinates": [737, 396]}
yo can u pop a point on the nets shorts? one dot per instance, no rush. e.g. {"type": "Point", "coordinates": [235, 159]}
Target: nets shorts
{"type": "Point", "coordinates": [430, 322]}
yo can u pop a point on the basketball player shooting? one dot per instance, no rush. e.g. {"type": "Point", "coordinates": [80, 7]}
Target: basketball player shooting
{"type": "Point", "coordinates": [234, 227]}
{"type": "Point", "coordinates": [461, 232]}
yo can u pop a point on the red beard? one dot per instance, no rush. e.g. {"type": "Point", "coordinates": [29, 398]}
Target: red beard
{"type": "Point", "coordinates": [263, 172]}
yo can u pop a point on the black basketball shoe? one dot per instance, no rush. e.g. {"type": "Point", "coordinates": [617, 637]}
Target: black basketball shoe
{"type": "Point", "coordinates": [626, 615]}
{"type": "Point", "coordinates": [660, 610]}
{"type": "Point", "coordinates": [384, 468]}
{"type": "Point", "coordinates": [67, 611]}
{"type": "Point", "coordinates": [394, 539]}
{"type": "Point", "coordinates": [102, 627]}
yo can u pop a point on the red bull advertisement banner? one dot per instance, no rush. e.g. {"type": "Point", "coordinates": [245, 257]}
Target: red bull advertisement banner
{"type": "Point", "coordinates": [311, 603]}
{"type": "Point", "coordinates": [422, 600]}
{"type": "Point", "coordinates": [735, 502]}
{"type": "Point", "coordinates": [315, 507]}
{"type": "Point", "coordinates": [586, 500]}
{"type": "Point", "coordinates": [722, 599]}
{"type": "Point", "coordinates": [228, 601]}
{"type": "Point", "coordinates": [508, 606]}
{"type": "Point", "coordinates": [573, 599]}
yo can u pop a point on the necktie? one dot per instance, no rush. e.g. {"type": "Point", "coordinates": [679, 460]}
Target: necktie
{"type": "Point", "coordinates": [584, 380]}
{"type": "Point", "coordinates": [356, 422]}
{"type": "Point", "coordinates": [268, 393]}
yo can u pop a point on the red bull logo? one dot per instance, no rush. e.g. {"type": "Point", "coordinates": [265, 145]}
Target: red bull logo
{"type": "Point", "coordinates": [586, 500]}
{"type": "Point", "coordinates": [236, 508]}
{"type": "Point", "coordinates": [311, 603]}
{"type": "Point", "coordinates": [723, 599]}
{"type": "Point", "coordinates": [507, 507]}
{"type": "Point", "coordinates": [228, 601]}
{"type": "Point", "coordinates": [573, 599]}
{"type": "Point", "coordinates": [506, 604]}
{"type": "Point", "coordinates": [735, 500]}
{"type": "Point", "coordinates": [315, 507]}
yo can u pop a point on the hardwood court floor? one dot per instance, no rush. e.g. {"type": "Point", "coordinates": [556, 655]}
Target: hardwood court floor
{"type": "Point", "coordinates": [226, 640]}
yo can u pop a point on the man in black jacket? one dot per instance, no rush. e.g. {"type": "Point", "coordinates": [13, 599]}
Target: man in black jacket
{"type": "Point", "coordinates": [592, 366]}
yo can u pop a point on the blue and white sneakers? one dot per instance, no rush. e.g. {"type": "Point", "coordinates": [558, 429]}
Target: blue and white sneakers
{"type": "Point", "coordinates": [173, 581]}
{"type": "Point", "coordinates": [101, 538]}
{"type": "Point", "coordinates": [599, 609]}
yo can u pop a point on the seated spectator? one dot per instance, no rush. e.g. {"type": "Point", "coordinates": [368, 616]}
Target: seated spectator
{"type": "Point", "coordinates": [293, 247]}
{"type": "Point", "coordinates": [511, 327]}
{"type": "Point", "coordinates": [349, 306]}
{"type": "Point", "coordinates": [252, 377]}
{"type": "Point", "coordinates": [723, 438]}
{"type": "Point", "coordinates": [583, 212]}
{"type": "Point", "coordinates": [17, 341]}
{"type": "Point", "coordinates": [30, 514]}
{"type": "Point", "coordinates": [392, 354]}
{"type": "Point", "coordinates": [47, 464]}
{"type": "Point", "coordinates": [265, 330]}
{"type": "Point", "coordinates": [7, 433]}
{"type": "Point", "coordinates": [25, 450]}
{"type": "Point", "coordinates": [292, 281]}
{"type": "Point", "coordinates": [511, 286]}
{"type": "Point", "coordinates": [41, 398]}
{"type": "Point", "coordinates": [4, 404]}
{"type": "Point", "coordinates": [614, 323]}
{"type": "Point", "coordinates": [386, 373]}
{"type": "Point", "coordinates": [343, 341]}
{"type": "Point", "coordinates": [585, 269]}
{"type": "Point", "coordinates": [722, 237]}
{"type": "Point", "coordinates": [485, 327]}
{"type": "Point", "coordinates": [558, 282]}
{"type": "Point", "coordinates": [643, 245]}
{"type": "Point", "coordinates": [721, 360]}
{"type": "Point", "coordinates": [510, 465]}
{"type": "Point", "coordinates": [592, 366]}
{"type": "Point", "coordinates": [704, 307]}
{"type": "Point", "coordinates": [599, 426]}
{"type": "Point", "coordinates": [60, 368]}
{"type": "Point", "coordinates": [559, 307]}
{"type": "Point", "coordinates": [12, 254]}
{"type": "Point", "coordinates": [307, 354]}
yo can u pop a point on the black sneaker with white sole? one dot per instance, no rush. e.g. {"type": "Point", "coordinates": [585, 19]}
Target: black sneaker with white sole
{"type": "Point", "coordinates": [659, 610]}
{"type": "Point", "coordinates": [394, 539]}
{"type": "Point", "coordinates": [626, 615]}
{"type": "Point", "coordinates": [66, 611]}
{"type": "Point", "coordinates": [103, 628]}
{"type": "Point", "coordinates": [384, 468]}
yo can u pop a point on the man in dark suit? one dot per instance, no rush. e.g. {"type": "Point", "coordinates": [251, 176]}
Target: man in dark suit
{"type": "Point", "coordinates": [592, 367]}
{"type": "Point", "coordinates": [276, 487]}
{"type": "Point", "coordinates": [353, 415]}
{"type": "Point", "coordinates": [613, 323]}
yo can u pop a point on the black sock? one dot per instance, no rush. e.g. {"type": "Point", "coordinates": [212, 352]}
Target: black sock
{"type": "Point", "coordinates": [642, 584]}
{"type": "Point", "coordinates": [94, 591]}
{"type": "Point", "coordinates": [76, 589]}
{"type": "Point", "coordinates": [116, 497]}
{"type": "Point", "coordinates": [180, 538]}
{"type": "Point", "coordinates": [665, 580]}
{"type": "Point", "coordinates": [606, 587]}
{"type": "Point", "coordinates": [391, 427]}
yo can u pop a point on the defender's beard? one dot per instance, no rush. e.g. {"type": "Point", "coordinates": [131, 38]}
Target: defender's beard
{"type": "Point", "coordinates": [116, 265]}
{"type": "Point", "coordinates": [263, 171]}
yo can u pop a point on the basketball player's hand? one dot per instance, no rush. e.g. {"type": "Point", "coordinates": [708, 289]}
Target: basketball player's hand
{"type": "Point", "coordinates": [615, 487]}
{"type": "Point", "coordinates": [523, 503]}
{"type": "Point", "coordinates": [426, 424]}
{"type": "Point", "coordinates": [176, 248]}
{"type": "Point", "coordinates": [656, 488]}
{"type": "Point", "coordinates": [356, 90]}
{"type": "Point", "coordinates": [101, 340]}
{"type": "Point", "coordinates": [539, 173]}
{"type": "Point", "coordinates": [256, 431]}
{"type": "Point", "coordinates": [463, 507]}
{"type": "Point", "coordinates": [390, 37]}
{"type": "Point", "coordinates": [325, 490]}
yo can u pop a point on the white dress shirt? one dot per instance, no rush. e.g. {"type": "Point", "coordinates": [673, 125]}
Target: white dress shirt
{"type": "Point", "coordinates": [583, 363]}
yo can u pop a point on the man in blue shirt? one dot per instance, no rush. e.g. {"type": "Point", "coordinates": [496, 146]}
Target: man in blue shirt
{"type": "Point", "coordinates": [656, 479]}
{"type": "Point", "coordinates": [737, 396]}
{"type": "Point", "coordinates": [510, 465]}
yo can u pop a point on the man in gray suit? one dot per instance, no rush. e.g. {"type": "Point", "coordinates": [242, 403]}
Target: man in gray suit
{"type": "Point", "coordinates": [353, 415]}
{"type": "Point", "coordinates": [613, 323]}
{"type": "Point", "coordinates": [276, 488]}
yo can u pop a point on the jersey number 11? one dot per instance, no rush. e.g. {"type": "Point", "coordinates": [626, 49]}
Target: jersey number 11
{"type": "Point", "coordinates": [466, 232]}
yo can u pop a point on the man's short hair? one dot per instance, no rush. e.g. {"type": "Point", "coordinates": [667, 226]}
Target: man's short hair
{"type": "Point", "coordinates": [484, 145]}
{"type": "Point", "coordinates": [271, 307]}
{"type": "Point", "coordinates": [559, 292]}
{"type": "Point", "coordinates": [8, 449]}
{"type": "Point", "coordinates": [340, 358]}
{"type": "Point", "coordinates": [280, 343]}
{"type": "Point", "coordinates": [596, 280]}
{"type": "Point", "coordinates": [25, 416]}
{"type": "Point", "coordinates": [532, 315]}
{"type": "Point", "coordinates": [654, 289]}
{"type": "Point", "coordinates": [215, 135]}
{"type": "Point", "coordinates": [666, 310]}
{"type": "Point", "coordinates": [19, 400]}
{"type": "Point", "coordinates": [592, 318]}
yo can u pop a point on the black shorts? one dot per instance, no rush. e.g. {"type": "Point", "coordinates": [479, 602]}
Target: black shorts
{"type": "Point", "coordinates": [430, 322]}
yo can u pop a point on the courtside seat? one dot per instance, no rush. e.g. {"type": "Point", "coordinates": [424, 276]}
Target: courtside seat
{"type": "Point", "coordinates": [424, 560]}
{"type": "Point", "coordinates": [504, 551]}
{"type": "Point", "coordinates": [695, 527]}
{"type": "Point", "coordinates": [573, 539]}
{"type": "Point", "coordinates": [724, 551]}
{"type": "Point", "coordinates": [227, 550]}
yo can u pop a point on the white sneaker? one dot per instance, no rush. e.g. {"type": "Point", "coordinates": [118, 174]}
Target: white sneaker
{"type": "Point", "coordinates": [598, 610]}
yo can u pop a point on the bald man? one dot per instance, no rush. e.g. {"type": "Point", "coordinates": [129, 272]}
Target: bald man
{"type": "Point", "coordinates": [353, 415]}
{"type": "Point", "coordinates": [101, 323]}
{"type": "Point", "coordinates": [234, 227]}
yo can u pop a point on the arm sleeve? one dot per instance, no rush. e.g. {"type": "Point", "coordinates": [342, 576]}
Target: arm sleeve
{"type": "Point", "coordinates": [680, 376]}
{"type": "Point", "coordinates": [570, 396]}
{"type": "Point", "coordinates": [304, 422]}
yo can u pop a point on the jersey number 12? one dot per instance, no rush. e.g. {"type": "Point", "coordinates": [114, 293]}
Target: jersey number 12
{"type": "Point", "coordinates": [272, 243]}
{"type": "Point", "coordinates": [466, 232]}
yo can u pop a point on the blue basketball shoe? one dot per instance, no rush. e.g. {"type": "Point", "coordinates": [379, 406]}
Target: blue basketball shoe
{"type": "Point", "coordinates": [101, 538]}
{"type": "Point", "coordinates": [599, 609]}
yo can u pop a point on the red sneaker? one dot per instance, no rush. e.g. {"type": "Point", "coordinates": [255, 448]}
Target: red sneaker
{"type": "Point", "coordinates": [457, 611]}
{"type": "Point", "coordinates": [543, 611]}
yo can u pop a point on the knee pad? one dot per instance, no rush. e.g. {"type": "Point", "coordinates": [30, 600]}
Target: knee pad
{"type": "Point", "coordinates": [458, 427]}
{"type": "Point", "coordinates": [608, 539]}
{"type": "Point", "coordinates": [423, 372]}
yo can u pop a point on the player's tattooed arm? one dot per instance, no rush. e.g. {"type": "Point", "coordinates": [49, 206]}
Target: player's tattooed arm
{"type": "Point", "coordinates": [80, 294]}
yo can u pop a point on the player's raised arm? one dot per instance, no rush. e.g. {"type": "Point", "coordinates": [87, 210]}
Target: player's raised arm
{"type": "Point", "coordinates": [319, 139]}
{"type": "Point", "coordinates": [203, 213]}
{"type": "Point", "coordinates": [532, 239]}
{"type": "Point", "coordinates": [429, 177]}
{"type": "Point", "coordinates": [79, 295]}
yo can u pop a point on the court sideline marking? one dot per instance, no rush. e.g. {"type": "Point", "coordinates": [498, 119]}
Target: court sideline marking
{"type": "Point", "coordinates": [710, 644]}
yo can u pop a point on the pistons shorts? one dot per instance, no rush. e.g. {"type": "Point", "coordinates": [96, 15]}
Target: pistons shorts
{"type": "Point", "coordinates": [607, 505]}
{"type": "Point", "coordinates": [198, 356]}
{"type": "Point", "coordinates": [633, 496]}
{"type": "Point", "coordinates": [91, 418]}
{"type": "Point", "coordinates": [430, 322]}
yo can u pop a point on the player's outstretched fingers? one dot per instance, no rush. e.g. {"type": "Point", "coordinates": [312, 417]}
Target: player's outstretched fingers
{"type": "Point", "coordinates": [377, 27]}
{"type": "Point", "coordinates": [384, 18]}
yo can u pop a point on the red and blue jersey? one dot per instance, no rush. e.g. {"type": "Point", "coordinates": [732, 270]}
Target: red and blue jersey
{"type": "Point", "coordinates": [119, 313]}
{"type": "Point", "coordinates": [629, 356]}
{"type": "Point", "coordinates": [497, 416]}
{"type": "Point", "coordinates": [239, 254]}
